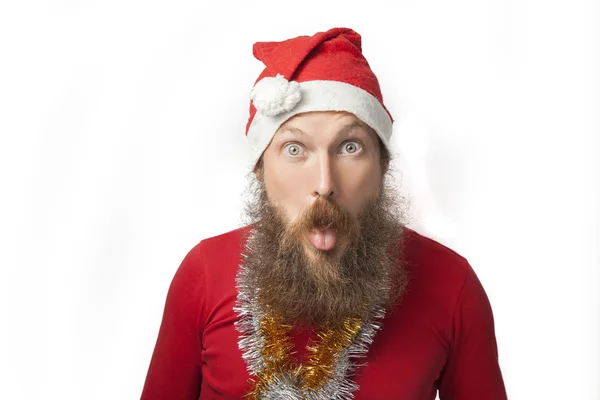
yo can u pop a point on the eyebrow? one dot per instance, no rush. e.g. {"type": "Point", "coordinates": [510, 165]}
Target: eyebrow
{"type": "Point", "coordinates": [345, 129]}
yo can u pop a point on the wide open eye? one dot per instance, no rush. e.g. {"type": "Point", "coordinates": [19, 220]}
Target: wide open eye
{"type": "Point", "coordinates": [351, 147]}
{"type": "Point", "coordinates": [293, 149]}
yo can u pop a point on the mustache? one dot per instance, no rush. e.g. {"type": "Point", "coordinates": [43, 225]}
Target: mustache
{"type": "Point", "coordinates": [323, 214]}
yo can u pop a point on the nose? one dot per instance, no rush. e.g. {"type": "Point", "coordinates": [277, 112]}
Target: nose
{"type": "Point", "coordinates": [325, 184]}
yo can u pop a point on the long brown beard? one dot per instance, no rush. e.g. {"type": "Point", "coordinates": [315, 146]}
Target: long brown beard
{"type": "Point", "coordinates": [321, 289]}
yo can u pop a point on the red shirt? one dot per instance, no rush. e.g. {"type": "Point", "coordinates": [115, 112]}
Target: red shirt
{"type": "Point", "coordinates": [440, 337]}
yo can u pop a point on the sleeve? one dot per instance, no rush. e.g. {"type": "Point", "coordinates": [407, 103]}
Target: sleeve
{"type": "Point", "coordinates": [175, 371]}
{"type": "Point", "coordinates": [472, 371]}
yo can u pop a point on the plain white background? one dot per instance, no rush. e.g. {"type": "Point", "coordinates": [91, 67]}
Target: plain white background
{"type": "Point", "coordinates": [122, 146]}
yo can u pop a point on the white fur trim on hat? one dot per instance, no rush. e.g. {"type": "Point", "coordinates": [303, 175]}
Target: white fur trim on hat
{"type": "Point", "coordinates": [313, 96]}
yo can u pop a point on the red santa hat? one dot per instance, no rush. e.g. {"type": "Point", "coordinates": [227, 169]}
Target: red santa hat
{"type": "Point", "coordinates": [323, 72]}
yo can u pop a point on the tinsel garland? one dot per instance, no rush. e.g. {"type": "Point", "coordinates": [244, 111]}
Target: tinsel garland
{"type": "Point", "coordinates": [266, 348]}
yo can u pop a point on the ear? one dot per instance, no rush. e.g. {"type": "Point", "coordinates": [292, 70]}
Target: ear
{"type": "Point", "coordinates": [259, 171]}
{"type": "Point", "coordinates": [258, 174]}
{"type": "Point", "coordinates": [386, 166]}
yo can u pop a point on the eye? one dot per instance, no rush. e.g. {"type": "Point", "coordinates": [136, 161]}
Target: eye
{"type": "Point", "coordinates": [293, 149]}
{"type": "Point", "coordinates": [352, 147]}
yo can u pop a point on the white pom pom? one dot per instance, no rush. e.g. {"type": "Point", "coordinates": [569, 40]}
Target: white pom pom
{"type": "Point", "coordinates": [274, 95]}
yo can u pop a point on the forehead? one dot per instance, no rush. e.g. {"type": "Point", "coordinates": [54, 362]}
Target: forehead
{"type": "Point", "coordinates": [318, 122]}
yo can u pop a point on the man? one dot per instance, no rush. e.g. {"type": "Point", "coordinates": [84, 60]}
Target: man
{"type": "Point", "coordinates": [325, 293]}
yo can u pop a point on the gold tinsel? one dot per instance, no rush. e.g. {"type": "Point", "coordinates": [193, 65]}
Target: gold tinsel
{"type": "Point", "coordinates": [325, 353]}
{"type": "Point", "coordinates": [277, 351]}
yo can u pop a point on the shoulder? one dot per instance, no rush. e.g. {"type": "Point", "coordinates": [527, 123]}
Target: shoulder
{"type": "Point", "coordinates": [225, 243]}
{"type": "Point", "coordinates": [202, 259]}
{"type": "Point", "coordinates": [207, 272]}
{"type": "Point", "coordinates": [437, 273]}
{"type": "Point", "coordinates": [426, 255]}
{"type": "Point", "coordinates": [419, 244]}
{"type": "Point", "coordinates": [217, 246]}
{"type": "Point", "coordinates": [217, 259]}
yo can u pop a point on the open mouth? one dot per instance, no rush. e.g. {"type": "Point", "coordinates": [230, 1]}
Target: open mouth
{"type": "Point", "coordinates": [323, 239]}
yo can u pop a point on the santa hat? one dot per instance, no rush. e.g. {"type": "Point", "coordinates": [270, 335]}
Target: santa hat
{"type": "Point", "coordinates": [323, 72]}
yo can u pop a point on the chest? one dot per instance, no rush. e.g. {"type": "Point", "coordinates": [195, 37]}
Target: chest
{"type": "Point", "coordinates": [403, 362]}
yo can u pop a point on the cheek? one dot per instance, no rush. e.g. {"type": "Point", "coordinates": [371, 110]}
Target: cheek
{"type": "Point", "coordinates": [359, 185]}
{"type": "Point", "coordinates": [286, 190]}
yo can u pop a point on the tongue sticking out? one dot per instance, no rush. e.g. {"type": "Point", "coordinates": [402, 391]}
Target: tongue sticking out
{"type": "Point", "coordinates": [323, 239]}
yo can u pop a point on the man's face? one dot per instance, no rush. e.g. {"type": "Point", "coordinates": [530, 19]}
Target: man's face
{"type": "Point", "coordinates": [322, 154]}
{"type": "Point", "coordinates": [325, 245]}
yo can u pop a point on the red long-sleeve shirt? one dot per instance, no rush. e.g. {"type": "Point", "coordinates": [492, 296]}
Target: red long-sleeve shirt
{"type": "Point", "coordinates": [440, 337]}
